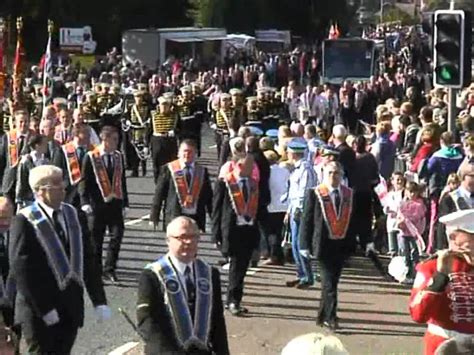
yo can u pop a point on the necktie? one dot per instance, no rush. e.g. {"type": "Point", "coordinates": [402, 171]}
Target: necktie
{"type": "Point", "coordinates": [21, 143]}
{"type": "Point", "coordinates": [245, 190]}
{"type": "Point", "coordinates": [110, 166]}
{"type": "Point", "coordinates": [191, 289]}
{"type": "Point", "coordinates": [189, 177]}
{"type": "Point", "coordinates": [337, 200]}
{"type": "Point", "coordinates": [80, 153]}
{"type": "Point", "coordinates": [60, 231]}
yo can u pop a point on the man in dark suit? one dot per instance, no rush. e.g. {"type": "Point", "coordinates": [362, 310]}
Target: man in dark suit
{"type": "Point", "coordinates": [191, 320]}
{"type": "Point", "coordinates": [184, 187]}
{"type": "Point", "coordinates": [70, 158]}
{"type": "Point", "coordinates": [326, 234]}
{"type": "Point", "coordinates": [234, 226]}
{"type": "Point", "coordinates": [46, 128]}
{"type": "Point", "coordinates": [12, 146]}
{"type": "Point", "coordinates": [52, 261]}
{"type": "Point", "coordinates": [346, 153]}
{"type": "Point", "coordinates": [103, 193]}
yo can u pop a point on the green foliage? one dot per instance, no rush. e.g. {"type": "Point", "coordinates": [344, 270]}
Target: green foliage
{"type": "Point", "coordinates": [395, 14]}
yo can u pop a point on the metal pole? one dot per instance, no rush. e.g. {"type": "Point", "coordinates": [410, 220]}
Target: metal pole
{"type": "Point", "coordinates": [451, 5]}
{"type": "Point", "coordinates": [452, 110]}
{"type": "Point", "coordinates": [381, 11]}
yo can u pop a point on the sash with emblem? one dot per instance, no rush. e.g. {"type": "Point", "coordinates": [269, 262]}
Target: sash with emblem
{"type": "Point", "coordinates": [189, 334]}
{"type": "Point", "coordinates": [64, 269]}
{"type": "Point", "coordinates": [188, 195]}
{"type": "Point", "coordinates": [109, 189]}
{"type": "Point", "coordinates": [246, 211]}
{"type": "Point", "coordinates": [13, 153]}
{"type": "Point", "coordinates": [337, 224]}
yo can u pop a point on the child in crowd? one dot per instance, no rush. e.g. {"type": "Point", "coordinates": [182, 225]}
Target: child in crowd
{"type": "Point", "coordinates": [392, 204]}
{"type": "Point", "coordinates": [411, 220]}
{"type": "Point", "coordinates": [452, 183]}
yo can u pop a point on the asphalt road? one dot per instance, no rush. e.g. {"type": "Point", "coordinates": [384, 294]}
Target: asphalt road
{"type": "Point", "coordinates": [374, 312]}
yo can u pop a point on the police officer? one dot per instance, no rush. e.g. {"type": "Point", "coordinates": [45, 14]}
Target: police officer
{"type": "Point", "coordinates": [301, 179]}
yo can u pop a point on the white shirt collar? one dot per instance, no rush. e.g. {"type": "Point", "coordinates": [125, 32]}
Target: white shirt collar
{"type": "Point", "coordinates": [47, 209]}
{"type": "Point", "coordinates": [332, 189]}
{"type": "Point", "coordinates": [183, 165]}
{"type": "Point", "coordinates": [179, 265]}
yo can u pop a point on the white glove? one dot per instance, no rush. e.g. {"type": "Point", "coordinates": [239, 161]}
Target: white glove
{"type": "Point", "coordinates": [125, 211]}
{"type": "Point", "coordinates": [370, 247]}
{"type": "Point", "coordinates": [213, 126]}
{"type": "Point", "coordinates": [171, 133]}
{"type": "Point", "coordinates": [305, 253]}
{"type": "Point", "coordinates": [51, 318]}
{"type": "Point", "coordinates": [102, 313]}
{"type": "Point", "coordinates": [87, 209]}
{"type": "Point", "coordinates": [145, 150]}
{"type": "Point", "coordinates": [128, 122]}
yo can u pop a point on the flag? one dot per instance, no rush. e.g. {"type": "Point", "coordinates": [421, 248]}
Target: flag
{"type": "Point", "coordinates": [18, 64]}
{"type": "Point", "coordinates": [47, 74]}
{"type": "Point", "coordinates": [2, 66]}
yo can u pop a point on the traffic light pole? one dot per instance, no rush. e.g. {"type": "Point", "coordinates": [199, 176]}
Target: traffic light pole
{"type": "Point", "coordinates": [452, 110]}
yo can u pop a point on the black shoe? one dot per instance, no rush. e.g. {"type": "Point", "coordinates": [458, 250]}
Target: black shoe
{"type": "Point", "coordinates": [303, 285]}
{"type": "Point", "coordinates": [331, 325]}
{"type": "Point", "coordinates": [236, 310]}
{"type": "Point", "coordinates": [135, 173]}
{"type": "Point", "coordinates": [254, 263]}
{"type": "Point", "coordinates": [292, 283]}
{"type": "Point", "coordinates": [110, 277]}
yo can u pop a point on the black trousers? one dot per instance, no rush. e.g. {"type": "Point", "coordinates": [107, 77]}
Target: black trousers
{"type": "Point", "coordinates": [108, 216]}
{"type": "Point", "coordinates": [330, 269]}
{"type": "Point", "coordinates": [53, 340]}
{"type": "Point", "coordinates": [272, 235]}
{"type": "Point", "coordinates": [222, 139]}
{"type": "Point", "coordinates": [239, 263]}
{"type": "Point", "coordinates": [163, 150]}
{"type": "Point", "coordinates": [363, 215]}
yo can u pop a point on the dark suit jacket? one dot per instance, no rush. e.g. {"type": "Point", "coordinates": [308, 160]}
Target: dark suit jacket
{"type": "Point", "coordinates": [314, 235]}
{"type": "Point", "coordinates": [347, 159]}
{"type": "Point", "coordinates": [7, 173]}
{"type": "Point", "coordinates": [166, 192]}
{"type": "Point", "coordinates": [155, 324]}
{"type": "Point", "coordinates": [38, 292]}
{"type": "Point", "coordinates": [89, 190]}
{"type": "Point", "coordinates": [233, 239]}
{"type": "Point", "coordinates": [446, 206]}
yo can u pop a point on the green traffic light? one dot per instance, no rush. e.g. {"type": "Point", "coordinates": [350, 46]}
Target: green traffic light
{"type": "Point", "coordinates": [446, 74]}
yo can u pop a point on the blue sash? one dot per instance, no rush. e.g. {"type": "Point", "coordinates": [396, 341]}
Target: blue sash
{"type": "Point", "coordinates": [63, 269]}
{"type": "Point", "coordinates": [187, 334]}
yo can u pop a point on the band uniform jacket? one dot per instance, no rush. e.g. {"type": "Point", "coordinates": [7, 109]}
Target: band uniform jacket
{"type": "Point", "coordinates": [89, 191]}
{"type": "Point", "coordinates": [38, 291]}
{"type": "Point", "coordinates": [314, 234]}
{"type": "Point", "coordinates": [234, 239]}
{"type": "Point", "coordinates": [166, 192]}
{"type": "Point", "coordinates": [155, 324]}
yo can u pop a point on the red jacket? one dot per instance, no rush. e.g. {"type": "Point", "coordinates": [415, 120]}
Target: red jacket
{"type": "Point", "coordinates": [445, 304]}
{"type": "Point", "coordinates": [423, 153]}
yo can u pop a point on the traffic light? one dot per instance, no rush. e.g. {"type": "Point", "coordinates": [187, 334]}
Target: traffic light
{"type": "Point", "coordinates": [452, 32]}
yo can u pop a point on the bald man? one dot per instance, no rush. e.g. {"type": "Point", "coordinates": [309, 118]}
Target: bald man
{"type": "Point", "coordinates": [191, 320]}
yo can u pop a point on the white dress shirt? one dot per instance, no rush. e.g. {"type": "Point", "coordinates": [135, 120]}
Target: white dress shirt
{"type": "Point", "coordinates": [333, 197]}
{"type": "Point", "coordinates": [278, 183]}
{"type": "Point", "coordinates": [49, 212]}
{"type": "Point", "coordinates": [180, 268]}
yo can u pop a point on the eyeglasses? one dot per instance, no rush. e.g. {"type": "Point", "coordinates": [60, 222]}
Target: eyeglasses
{"type": "Point", "coordinates": [186, 238]}
{"type": "Point", "coordinates": [53, 187]}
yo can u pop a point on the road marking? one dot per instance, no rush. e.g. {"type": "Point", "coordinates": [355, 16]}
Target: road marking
{"type": "Point", "coordinates": [213, 146]}
{"type": "Point", "coordinates": [125, 348]}
{"type": "Point", "coordinates": [138, 220]}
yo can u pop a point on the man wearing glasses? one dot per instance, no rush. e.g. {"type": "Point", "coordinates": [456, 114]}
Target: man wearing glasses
{"type": "Point", "coordinates": [179, 307]}
{"type": "Point", "coordinates": [51, 260]}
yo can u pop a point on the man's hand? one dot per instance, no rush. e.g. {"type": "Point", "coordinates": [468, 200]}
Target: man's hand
{"type": "Point", "coordinates": [125, 211]}
{"type": "Point", "coordinates": [51, 318]}
{"type": "Point", "coordinates": [286, 218]}
{"type": "Point", "coordinates": [87, 209]}
{"type": "Point", "coordinates": [305, 253]}
{"type": "Point", "coordinates": [102, 313]}
{"type": "Point", "coordinates": [445, 261]}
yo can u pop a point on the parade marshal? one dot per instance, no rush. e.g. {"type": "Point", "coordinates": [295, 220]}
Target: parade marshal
{"type": "Point", "coordinates": [179, 307]}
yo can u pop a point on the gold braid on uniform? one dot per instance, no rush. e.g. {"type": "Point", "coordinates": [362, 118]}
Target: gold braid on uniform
{"type": "Point", "coordinates": [163, 123]}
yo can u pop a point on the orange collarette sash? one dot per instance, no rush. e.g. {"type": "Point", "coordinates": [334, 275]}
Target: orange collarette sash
{"type": "Point", "coordinates": [188, 195]}
{"type": "Point", "coordinates": [245, 211]}
{"type": "Point", "coordinates": [337, 224]}
{"type": "Point", "coordinates": [72, 162]}
{"type": "Point", "coordinates": [108, 189]}
{"type": "Point", "coordinates": [13, 147]}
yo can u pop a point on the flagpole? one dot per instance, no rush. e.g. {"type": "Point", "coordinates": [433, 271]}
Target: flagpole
{"type": "Point", "coordinates": [2, 59]}
{"type": "Point", "coordinates": [47, 88]}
